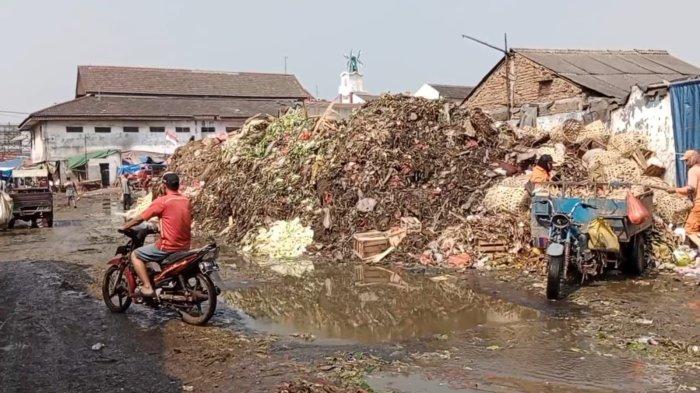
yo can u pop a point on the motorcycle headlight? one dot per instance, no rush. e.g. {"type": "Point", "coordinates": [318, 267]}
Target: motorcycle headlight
{"type": "Point", "coordinates": [208, 266]}
{"type": "Point", "coordinates": [560, 221]}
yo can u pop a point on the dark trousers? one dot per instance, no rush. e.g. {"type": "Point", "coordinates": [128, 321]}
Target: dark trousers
{"type": "Point", "coordinates": [127, 202]}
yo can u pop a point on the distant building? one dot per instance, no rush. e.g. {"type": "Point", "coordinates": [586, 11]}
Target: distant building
{"type": "Point", "coordinates": [133, 109]}
{"type": "Point", "coordinates": [433, 91]}
{"type": "Point", "coordinates": [648, 91]}
{"type": "Point", "coordinates": [352, 85]}
{"type": "Point", "coordinates": [562, 80]}
{"type": "Point", "coordinates": [13, 142]}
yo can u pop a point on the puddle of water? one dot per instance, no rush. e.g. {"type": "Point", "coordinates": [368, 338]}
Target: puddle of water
{"type": "Point", "coordinates": [365, 304]}
{"type": "Point", "coordinates": [411, 383]}
{"type": "Point", "coordinates": [67, 223]}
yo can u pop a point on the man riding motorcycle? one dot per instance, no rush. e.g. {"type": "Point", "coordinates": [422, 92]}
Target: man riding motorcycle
{"type": "Point", "coordinates": [173, 210]}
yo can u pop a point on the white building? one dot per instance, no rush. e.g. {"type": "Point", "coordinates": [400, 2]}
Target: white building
{"type": "Point", "coordinates": [130, 109]}
{"type": "Point", "coordinates": [434, 91]}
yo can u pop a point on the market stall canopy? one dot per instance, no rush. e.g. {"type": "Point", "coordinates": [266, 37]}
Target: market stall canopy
{"type": "Point", "coordinates": [82, 159]}
{"type": "Point", "coordinates": [11, 164]}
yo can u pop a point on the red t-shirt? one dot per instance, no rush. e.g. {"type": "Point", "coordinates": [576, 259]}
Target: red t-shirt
{"type": "Point", "coordinates": [173, 209]}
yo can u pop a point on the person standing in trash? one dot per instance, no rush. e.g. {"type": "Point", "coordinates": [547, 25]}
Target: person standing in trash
{"type": "Point", "coordinates": [126, 192]}
{"type": "Point", "coordinates": [541, 173]}
{"type": "Point", "coordinates": [692, 162]}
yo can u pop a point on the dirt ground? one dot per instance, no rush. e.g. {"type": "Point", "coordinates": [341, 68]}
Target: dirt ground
{"type": "Point", "coordinates": [340, 327]}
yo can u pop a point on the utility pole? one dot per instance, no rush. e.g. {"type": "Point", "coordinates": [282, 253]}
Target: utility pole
{"type": "Point", "coordinates": [285, 65]}
{"type": "Point", "coordinates": [509, 68]}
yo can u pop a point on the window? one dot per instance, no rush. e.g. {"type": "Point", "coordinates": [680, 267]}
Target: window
{"type": "Point", "coordinates": [103, 129]}
{"type": "Point", "coordinates": [182, 129]}
{"type": "Point", "coordinates": [208, 129]}
{"type": "Point", "coordinates": [157, 129]}
{"type": "Point", "coordinates": [131, 129]}
{"type": "Point", "coordinates": [544, 88]}
{"type": "Point", "coordinates": [74, 129]}
{"type": "Point", "coordinates": [232, 129]}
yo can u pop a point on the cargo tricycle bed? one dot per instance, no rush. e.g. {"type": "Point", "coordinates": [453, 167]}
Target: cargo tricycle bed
{"type": "Point", "coordinates": [561, 215]}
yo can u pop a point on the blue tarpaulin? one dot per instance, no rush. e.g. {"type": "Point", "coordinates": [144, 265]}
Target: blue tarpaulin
{"type": "Point", "coordinates": [685, 106]}
{"type": "Point", "coordinates": [6, 167]}
{"type": "Point", "coordinates": [128, 169]}
{"type": "Point", "coordinates": [11, 164]}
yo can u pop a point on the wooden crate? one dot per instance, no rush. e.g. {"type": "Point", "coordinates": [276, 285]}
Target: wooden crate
{"type": "Point", "coordinates": [367, 244]}
{"type": "Point", "coordinates": [491, 247]}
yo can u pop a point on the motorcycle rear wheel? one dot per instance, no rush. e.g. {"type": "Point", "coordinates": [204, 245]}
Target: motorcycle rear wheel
{"type": "Point", "coordinates": [111, 289]}
{"type": "Point", "coordinates": [199, 315]}
{"type": "Point", "coordinates": [554, 271]}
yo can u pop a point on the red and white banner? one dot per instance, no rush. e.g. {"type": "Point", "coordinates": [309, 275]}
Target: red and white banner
{"type": "Point", "coordinates": [171, 137]}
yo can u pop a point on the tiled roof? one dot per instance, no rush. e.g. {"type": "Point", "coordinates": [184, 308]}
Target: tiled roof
{"type": "Point", "coordinates": [179, 82]}
{"type": "Point", "coordinates": [453, 92]}
{"type": "Point", "coordinates": [159, 108]}
{"type": "Point", "coordinates": [611, 73]}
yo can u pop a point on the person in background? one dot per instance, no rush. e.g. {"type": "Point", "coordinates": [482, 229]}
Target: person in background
{"type": "Point", "coordinates": [126, 192]}
{"type": "Point", "coordinates": [71, 192]}
{"type": "Point", "coordinates": [542, 172]}
{"type": "Point", "coordinates": [692, 162]}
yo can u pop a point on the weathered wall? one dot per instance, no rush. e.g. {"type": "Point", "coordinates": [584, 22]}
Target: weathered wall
{"type": "Point", "coordinates": [93, 167]}
{"type": "Point", "coordinates": [652, 117]}
{"type": "Point", "coordinates": [493, 93]}
{"type": "Point", "coordinates": [52, 138]}
{"type": "Point", "coordinates": [350, 83]}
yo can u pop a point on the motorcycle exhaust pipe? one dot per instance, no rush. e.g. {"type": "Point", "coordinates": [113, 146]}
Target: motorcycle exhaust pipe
{"type": "Point", "coordinates": [174, 298]}
{"type": "Point", "coordinates": [180, 298]}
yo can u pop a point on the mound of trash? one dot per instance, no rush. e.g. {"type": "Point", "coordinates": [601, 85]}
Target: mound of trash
{"type": "Point", "coordinates": [395, 157]}
{"type": "Point", "coordinates": [352, 186]}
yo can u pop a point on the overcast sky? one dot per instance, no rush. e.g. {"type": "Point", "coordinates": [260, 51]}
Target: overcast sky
{"type": "Point", "coordinates": [404, 43]}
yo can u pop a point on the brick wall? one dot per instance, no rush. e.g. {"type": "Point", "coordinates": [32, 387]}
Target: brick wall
{"type": "Point", "coordinates": [493, 93]}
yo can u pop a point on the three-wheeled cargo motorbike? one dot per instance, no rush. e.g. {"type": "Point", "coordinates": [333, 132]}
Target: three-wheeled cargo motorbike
{"type": "Point", "coordinates": [560, 225]}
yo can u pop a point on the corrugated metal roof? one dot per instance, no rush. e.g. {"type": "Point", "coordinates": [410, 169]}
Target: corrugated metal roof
{"type": "Point", "coordinates": [612, 73]}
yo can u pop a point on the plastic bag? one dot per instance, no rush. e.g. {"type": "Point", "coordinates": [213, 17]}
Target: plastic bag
{"type": "Point", "coordinates": [636, 211]}
{"type": "Point", "coordinates": [5, 208]}
{"type": "Point", "coordinates": [602, 237]}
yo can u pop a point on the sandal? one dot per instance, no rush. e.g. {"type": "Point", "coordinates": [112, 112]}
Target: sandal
{"type": "Point", "coordinates": [139, 291]}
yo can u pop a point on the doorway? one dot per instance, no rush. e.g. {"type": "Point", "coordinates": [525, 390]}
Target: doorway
{"type": "Point", "coordinates": [104, 174]}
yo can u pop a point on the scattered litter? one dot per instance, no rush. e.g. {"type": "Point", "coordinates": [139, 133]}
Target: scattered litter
{"type": "Point", "coordinates": [98, 346]}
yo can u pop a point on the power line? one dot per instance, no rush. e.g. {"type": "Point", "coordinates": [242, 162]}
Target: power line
{"type": "Point", "coordinates": [14, 112]}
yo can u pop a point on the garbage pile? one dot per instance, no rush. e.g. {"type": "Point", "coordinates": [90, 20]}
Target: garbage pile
{"type": "Point", "coordinates": [395, 157]}
{"type": "Point", "coordinates": [602, 157]}
{"type": "Point", "coordinates": [453, 174]}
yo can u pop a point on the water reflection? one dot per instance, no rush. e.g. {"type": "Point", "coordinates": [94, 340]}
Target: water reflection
{"type": "Point", "coordinates": [370, 304]}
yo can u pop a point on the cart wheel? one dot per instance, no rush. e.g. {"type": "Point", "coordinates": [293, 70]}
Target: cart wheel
{"type": "Point", "coordinates": [555, 269]}
{"type": "Point", "coordinates": [635, 258]}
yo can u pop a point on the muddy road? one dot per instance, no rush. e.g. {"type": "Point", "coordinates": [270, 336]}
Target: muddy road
{"type": "Point", "coordinates": [340, 327]}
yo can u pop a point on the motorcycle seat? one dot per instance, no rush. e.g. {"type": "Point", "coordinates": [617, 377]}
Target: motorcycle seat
{"type": "Point", "coordinates": [177, 256]}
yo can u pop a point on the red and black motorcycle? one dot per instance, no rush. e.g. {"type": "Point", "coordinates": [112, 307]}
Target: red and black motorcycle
{"type": "Point", "coordinates": [182, 281]}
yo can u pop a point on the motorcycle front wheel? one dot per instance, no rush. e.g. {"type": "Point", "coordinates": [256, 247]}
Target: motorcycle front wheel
{"type": "Point", "coordinates": [202, 311]}
{"type": "Point", "coordinates": [115, 290]}
{"type": "Point", "coordinates": [554, 271]}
